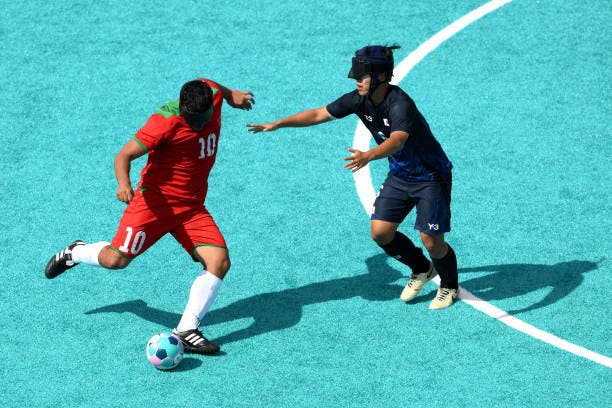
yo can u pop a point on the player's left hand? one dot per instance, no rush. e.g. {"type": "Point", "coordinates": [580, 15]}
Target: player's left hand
{"type": "Point", "coordinates": [357, 160]}
{"type": "Point", "coordinates": [241, 100]}
{"type": "Point", "coordinates": [125, 193]}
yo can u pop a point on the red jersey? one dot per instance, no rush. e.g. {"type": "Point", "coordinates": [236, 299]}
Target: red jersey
{"type": "Point", "coordinates": [180, 159]}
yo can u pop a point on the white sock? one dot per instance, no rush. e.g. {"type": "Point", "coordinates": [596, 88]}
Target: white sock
{"type": "Point", "coordinates": [88, 253]}
{"type": "Point", "coordinates": [202, 294]}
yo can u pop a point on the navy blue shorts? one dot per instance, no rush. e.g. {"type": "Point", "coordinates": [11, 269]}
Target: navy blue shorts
{"type": "Point", "coordinates": [398, 197]}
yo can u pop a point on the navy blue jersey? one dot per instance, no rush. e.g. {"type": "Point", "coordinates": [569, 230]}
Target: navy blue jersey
{"type": "Point", "coordinates": [422, 157]}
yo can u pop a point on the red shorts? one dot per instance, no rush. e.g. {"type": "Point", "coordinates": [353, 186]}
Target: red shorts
{"type": "Point", "coordinates": [150, 216]}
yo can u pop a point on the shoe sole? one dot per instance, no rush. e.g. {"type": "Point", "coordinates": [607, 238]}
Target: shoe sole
{"type": "Point", "coordinates": [189, 350]}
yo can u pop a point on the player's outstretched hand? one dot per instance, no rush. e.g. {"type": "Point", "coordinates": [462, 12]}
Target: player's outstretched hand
{"type": "Point", "coordinates": [241, 99]}
{"type": "Point", "coordinates": [357, 160]}
{"type": "Point", "coordinates": [125, 194]}
{"type": "Point", "coordinates": [264, 127]}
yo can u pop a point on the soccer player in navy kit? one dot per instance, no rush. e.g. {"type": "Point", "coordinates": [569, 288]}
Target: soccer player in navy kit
{"type": "Point", "coordinates": [419, 171]}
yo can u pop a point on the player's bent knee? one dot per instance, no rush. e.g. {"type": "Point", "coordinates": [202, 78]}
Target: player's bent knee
{"type": "Point", "coordinates": [382, 237]}
{"type": "Point", "coordinates": [110, 259]}
{"type": "Point", "coordinates": [435, 245]}
{"type": "Point", "coordinates": [218, 268]}
{"type": "Point", "coordinates": [429, 244]}
{"type": "Point", "coordinates": [223, 266]}
{"type": "Point", "coordinates": [118, 263]}
{"type": "Point", "coordinates": [382, 232]}
{"type": "Point", "coordinates": [218, 265]}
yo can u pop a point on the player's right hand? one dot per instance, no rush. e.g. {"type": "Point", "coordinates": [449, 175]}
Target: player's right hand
{"type": "Point", "coordinates": [265, 127]}
{"type": "Point", "coordinates": [125, 194]}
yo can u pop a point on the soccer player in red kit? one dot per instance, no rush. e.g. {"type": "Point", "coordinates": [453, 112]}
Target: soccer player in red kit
{"type": "Point", "coordinates": [181, 140]}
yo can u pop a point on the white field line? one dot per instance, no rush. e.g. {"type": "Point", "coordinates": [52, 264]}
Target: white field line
{"type": "Point", "coordinates": [367, 195]}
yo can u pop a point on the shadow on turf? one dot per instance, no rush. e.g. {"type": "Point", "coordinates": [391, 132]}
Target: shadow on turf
{"type": "Point", "coordinates": [514, 280]}
{"type": "Point", "coordinates": [187, 364]}
{"type": "Point", "coordinates": [280, 310]}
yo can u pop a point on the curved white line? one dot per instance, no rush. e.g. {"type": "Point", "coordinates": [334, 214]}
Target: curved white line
{"type": "Point", "coordinates": [367, 195]}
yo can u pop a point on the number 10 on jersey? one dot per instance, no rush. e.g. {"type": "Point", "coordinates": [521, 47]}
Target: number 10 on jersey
{"type": "Point", "coordinates": [208, 146]}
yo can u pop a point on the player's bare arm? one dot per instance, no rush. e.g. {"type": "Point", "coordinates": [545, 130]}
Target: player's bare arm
{"type": "Point", "coordinates": [305, 118]}
{"type": "Point", "coordinates": [130, 151]}
{"type": "Point", "coordinates": [238, 99]}
{"type": "Point", "coordinates": [360, 159]}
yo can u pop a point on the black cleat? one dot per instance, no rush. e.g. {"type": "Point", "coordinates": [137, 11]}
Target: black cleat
{"type": "Point", "coordinates": [195, 342]}
{"type": "Point", "coordinates": [62, 261]}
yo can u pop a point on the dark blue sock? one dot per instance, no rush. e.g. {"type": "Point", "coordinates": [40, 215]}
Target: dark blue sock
{"type": "Point", "coordinates": [447, 269]}
{"type": "Point", "coordinates": [402, 249]}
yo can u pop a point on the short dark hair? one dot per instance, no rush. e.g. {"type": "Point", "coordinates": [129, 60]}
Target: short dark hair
{"type": "Point", "coordinates": [379, 58]}
{"type": "Point", "coordinates": [196, 97]}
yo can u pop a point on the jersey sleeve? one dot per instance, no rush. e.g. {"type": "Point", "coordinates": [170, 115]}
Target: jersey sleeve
{"type": "Point", "coordinates": [344, 105]}
{"type": "Point", "coordinates": [402, 115]}
{"type": "Point", "coordinates": [153, 132]}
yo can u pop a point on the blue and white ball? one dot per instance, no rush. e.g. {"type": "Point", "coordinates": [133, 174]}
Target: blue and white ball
{"type": "Point", "coordinates": [164, 351]}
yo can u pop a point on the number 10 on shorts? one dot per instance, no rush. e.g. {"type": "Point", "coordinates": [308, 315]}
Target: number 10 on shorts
{"type": "Point", "coordinates": [137, 243]}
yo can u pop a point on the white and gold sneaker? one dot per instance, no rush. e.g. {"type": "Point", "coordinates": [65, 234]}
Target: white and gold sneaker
{"type": "Point", "coordinates": [444, 298]}
{"type": "Point", "coordinates": [416, 282]}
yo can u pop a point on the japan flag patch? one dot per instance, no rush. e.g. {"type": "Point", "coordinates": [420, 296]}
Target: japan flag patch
{"type": "Point", "coordinates": [386, 121]}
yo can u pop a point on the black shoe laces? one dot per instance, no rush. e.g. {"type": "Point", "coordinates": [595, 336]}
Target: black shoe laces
{"type": "Point", "coordinates": [443, 294]}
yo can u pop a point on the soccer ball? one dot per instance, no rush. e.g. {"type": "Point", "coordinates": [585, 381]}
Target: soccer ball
{"type": "Point", "coordinates": [164, 351]}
